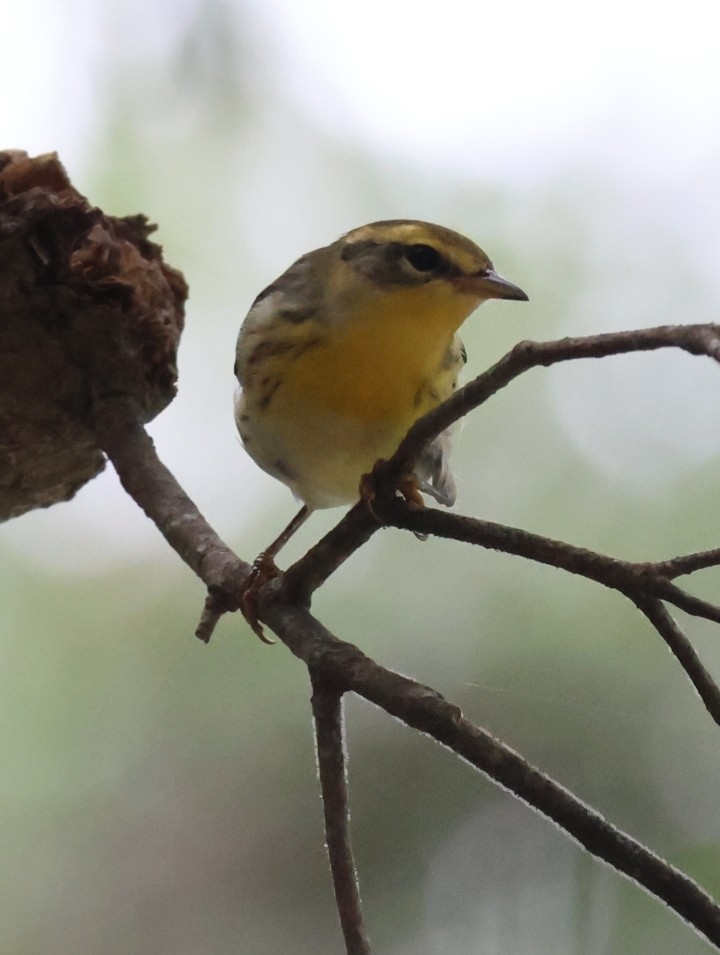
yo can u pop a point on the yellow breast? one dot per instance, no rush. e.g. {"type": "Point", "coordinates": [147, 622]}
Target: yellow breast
{"type": "Point", "coordinates": [388, 362]}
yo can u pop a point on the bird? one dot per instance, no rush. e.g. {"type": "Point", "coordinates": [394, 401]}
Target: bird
{"type": "Point", "coordinates": [340, 355]}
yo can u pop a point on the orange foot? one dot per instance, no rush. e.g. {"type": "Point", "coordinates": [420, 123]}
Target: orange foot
{"type": "Point", "coordinates": [410, 490]}
{"type": "Point", "coordinates": [407, 486]}
{"type": "Point", "coordinates": [263, 570]}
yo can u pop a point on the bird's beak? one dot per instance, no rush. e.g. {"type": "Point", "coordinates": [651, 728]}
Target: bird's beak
{"type": "Point", "coordinates": [489, 284]}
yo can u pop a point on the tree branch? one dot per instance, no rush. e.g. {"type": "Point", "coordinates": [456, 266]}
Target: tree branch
{"type": "Point", "coordinates": [424, 709]}
{"type": "Point", "coordinates": [687, 564]}
{"type": "Point", "coordinates": [640, 583]}
{"type": "Point", "coordinates": [328, 715]}
{"type": "Point", "coordinates": [683, 651]}
{"type": "Point", "coordinates": [154, 489]}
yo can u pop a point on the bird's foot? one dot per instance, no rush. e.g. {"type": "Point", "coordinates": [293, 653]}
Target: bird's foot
{"type": "Point", "coordinates": [369, 487]}
{"type": "Point", "coordinates": [374, 486]}
{"type": "Point", "coordinates": [262, 571]}
{"type": "Point", "coordinates": [410, 490]}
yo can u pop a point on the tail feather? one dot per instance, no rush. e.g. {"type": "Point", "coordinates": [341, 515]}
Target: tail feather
{"type": "Point", "coordinates": [433, 471]}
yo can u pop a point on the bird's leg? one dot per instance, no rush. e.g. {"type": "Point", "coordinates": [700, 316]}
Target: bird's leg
{"type": "Point", "coordinates": [281, 540]}
{"type": "Point", "coordinates": [264, 569]}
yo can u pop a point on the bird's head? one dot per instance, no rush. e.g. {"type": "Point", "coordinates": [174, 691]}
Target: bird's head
{"type": "Point", "coordinates": [419, 264]}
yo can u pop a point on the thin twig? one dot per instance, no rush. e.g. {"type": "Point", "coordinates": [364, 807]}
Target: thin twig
{"type": "Point", "coordinates": [613, 573]}
{"type": "Point", "coordinates": [695, 606]}
{"type": "Point", "coordinates": [688, 563]}
{"type": "Point", "coordinates": [311, 570]}
{"type": "Point", "coordinates": [640, 583]}
{"type": "Point", "coordinates": [328, 715]}
{"type": "Point", "coordinates": [683, 651]}
{"type": "Point", "coordinates": [631, 579]}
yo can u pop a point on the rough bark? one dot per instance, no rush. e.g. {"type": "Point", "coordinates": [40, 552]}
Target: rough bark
{"type": "Point", "coordinates": [87, 308]}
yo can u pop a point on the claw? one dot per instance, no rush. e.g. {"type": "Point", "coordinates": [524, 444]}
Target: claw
{"type": "Point", "coordinates": [410, 490]}
{"type": "Point", "coordinates": [263, 570]}
{"type": "Point", "coordinates": [368, 488]}
{"type": "Point", "coordinates": [407, 486]}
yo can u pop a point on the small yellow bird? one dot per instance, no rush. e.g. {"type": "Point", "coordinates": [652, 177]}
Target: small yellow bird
{"type": "Point", "coordinates": [348, 348]}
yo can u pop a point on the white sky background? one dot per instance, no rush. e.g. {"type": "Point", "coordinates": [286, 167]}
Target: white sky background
{"type": "Point", "coordinates": [428, 81]}
{"type": "Point", "coordinates": [510, 89]}
{"type": "Point", "coordinates": [508, 92]}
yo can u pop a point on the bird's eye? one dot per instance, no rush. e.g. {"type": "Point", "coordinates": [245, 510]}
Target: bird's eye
{"type": "Point", "coordinates": [423, 258]}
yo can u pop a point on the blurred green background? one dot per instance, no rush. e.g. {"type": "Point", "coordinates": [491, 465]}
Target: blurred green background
{"type": "Point", "coordinates": [159, 796]}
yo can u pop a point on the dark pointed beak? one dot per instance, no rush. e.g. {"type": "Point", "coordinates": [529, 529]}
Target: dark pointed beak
{"type": "Point", "coordinates": [491, 285]}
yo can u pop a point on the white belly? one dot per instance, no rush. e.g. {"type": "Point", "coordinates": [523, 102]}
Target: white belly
{"type": "Point", "coordinates": [322, 463]}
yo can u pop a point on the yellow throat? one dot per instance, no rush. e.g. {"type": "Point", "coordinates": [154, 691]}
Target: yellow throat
{"type": "Point", "coordinates": [384, 362]}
